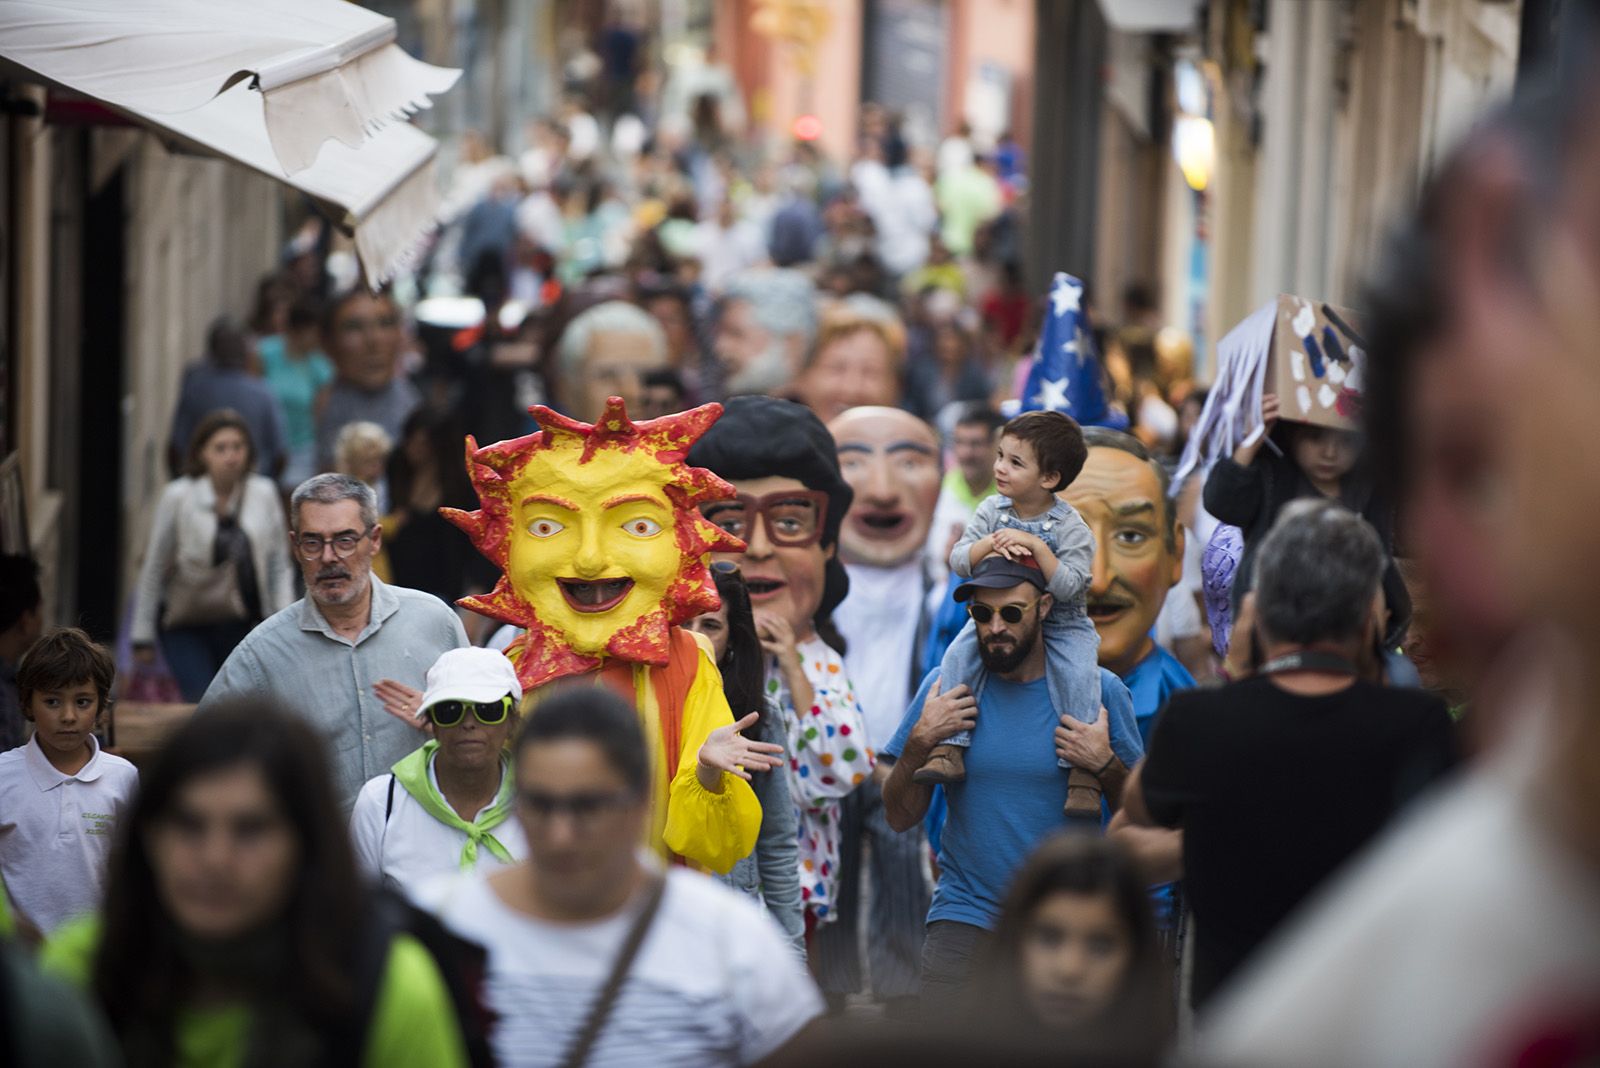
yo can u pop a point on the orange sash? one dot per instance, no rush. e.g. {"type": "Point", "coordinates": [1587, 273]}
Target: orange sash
{"type": "Point", "coordinates": [672, 690]}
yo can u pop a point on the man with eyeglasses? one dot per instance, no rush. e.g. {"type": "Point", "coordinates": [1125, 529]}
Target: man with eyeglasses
{"type": "Point", "coordinates": [323, 656]}
{"type": "Point", "coordinates": [1012, 797]}
{"type": "Point", "coordinates": [598, 955]}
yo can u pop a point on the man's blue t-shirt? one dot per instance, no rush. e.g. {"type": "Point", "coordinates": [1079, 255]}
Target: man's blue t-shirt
{"type": "Point", "coordinates": [1153, 680]}
{"type": "Point", "coordinates": [1014, 791]}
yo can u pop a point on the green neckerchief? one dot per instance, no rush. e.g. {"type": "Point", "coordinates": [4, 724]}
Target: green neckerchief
{"type": "Point", "coordinates": [412, 773]}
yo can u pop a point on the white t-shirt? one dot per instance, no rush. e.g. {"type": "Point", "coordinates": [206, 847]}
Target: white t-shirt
{"type": "Point", "coordinates": [879, 621]}
{"type": "Point", "coordinates": [56, 830]}
{"type": "Point", "coordinates": [713, 984]}
{"type": "Point", "coordinates": [411, 846]}
{"type": "Point", "coordinates": [1464, 934]}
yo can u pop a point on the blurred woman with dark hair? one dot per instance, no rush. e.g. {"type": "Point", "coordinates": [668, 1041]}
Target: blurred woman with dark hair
{"type": "Point", "coordinates": [217, 561]}
{"type": "Point", "coordinates": [772, 872]}
{"type": "Point", "coordinates": [236, 930]}
{"type": "Point", "coordinates": [1075, 954]}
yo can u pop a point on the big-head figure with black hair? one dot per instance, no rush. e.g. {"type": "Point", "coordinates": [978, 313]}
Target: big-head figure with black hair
{"type": "Point", "coordinates": [790, 500]}
{"type": "Point", "coordinates": [790, 505]}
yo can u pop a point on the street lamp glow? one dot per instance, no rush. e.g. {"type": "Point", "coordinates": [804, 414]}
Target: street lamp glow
{"type": "Point", "coordinates": [1194, 147]}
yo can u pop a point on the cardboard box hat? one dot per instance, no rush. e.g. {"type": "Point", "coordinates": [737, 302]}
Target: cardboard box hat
{"type": "Point", "coordinates": [1317, 363]}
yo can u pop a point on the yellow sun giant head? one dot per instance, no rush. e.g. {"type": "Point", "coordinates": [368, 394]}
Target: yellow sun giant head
{"type": "Point", "coordinates": [597, 529]}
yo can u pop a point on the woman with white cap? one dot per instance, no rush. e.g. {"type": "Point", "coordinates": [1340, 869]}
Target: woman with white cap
{"type": "Point", "coordinates": [447, 806]}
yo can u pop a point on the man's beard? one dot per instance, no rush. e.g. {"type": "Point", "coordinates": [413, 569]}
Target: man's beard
{"type": "Point", "coordinates": [355, 585]}
{"type": "Point", "coordinates": [768, 371]}
{"type": "Point", "coordinates": [1004, 663]}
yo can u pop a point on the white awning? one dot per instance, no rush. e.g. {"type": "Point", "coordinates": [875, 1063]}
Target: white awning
{"type": "Point", "coordinates": [385, 193]}
{"type": "Point", "coordinates": [1151, 16]}
{"type": "Point", "coordinates": [325, 69]}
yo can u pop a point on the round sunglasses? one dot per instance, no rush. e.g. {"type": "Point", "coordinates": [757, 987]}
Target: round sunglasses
{"type": "Point", "coordinates": [1011, 613]}
{"type": "Point", "coordinates": [488, 713]}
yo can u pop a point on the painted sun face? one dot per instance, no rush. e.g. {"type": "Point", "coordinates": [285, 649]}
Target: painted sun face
{"type": "Point", "coordinates": [598, 531]}
{"type": "Point", "coordinates": [593, 546]}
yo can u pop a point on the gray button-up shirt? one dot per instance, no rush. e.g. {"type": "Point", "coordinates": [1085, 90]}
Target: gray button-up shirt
{"type": "Point", "coordinates": [296, 658]}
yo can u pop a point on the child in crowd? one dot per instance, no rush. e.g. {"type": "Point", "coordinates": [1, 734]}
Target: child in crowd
{"type": "Point", "coordinates": [1250, 488]}
{"type": "Point", "coordinates": [362, 451]}
{"type": "Point", "coordinates": [1075, 953]}
{"type": "Point", "coordinates": [61, 798]}
{"type": "Point", "coordinates": [1039, 454]}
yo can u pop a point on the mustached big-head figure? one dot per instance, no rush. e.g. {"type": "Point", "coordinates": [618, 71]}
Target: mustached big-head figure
{"type": "Point", "coordinates": [598, 532]}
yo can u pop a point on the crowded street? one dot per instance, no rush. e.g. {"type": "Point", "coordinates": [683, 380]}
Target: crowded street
{"type": "Point", "coordinates": [802, 532]}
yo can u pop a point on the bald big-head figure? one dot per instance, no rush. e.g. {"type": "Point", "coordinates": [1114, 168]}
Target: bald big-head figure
{"type": "Point", "coordinates": [891, 460]}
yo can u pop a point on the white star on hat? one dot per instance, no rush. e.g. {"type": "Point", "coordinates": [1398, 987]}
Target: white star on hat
{"type": "Point", "coordinates": [1071, 348]}
{"type": "Point", "coordinates": [1065, 296]}
{"type": "Point", "coordinates": [1053, 394]}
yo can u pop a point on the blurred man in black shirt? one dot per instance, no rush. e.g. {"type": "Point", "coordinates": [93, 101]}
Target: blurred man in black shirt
{"type": "Point", "coordinates": [1278, 779]}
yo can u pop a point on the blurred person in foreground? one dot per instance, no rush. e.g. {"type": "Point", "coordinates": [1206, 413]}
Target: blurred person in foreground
{"type": "Point", "coordinates": [1075, 954]}
{"type": "Point", "coordinates": [1307, 754]}
{"type": "Point", "coordinates": [47, 1024]}
{"type": "Point", "coordinates": [597, 955]}
{"type": "Point", "coordinates": [1074, 976]}
{"type": "Point", "coordinates": [235, 929]}
{"type": "Point", "coordinates": [1471, 933]}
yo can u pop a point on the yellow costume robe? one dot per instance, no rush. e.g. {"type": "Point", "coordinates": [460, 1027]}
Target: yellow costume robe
{"type": "Point", "coordinates": [713, 831]}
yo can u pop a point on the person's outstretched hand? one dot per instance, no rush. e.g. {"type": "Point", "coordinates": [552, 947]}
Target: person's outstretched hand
{"type": "Point", "coordinates": [725, 749]}
{"type": "Point", "coordinates": [402, 702]}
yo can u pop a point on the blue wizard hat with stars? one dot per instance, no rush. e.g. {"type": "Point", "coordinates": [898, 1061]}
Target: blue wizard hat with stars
{"type": "Point", "coordinates": [1065, 376]}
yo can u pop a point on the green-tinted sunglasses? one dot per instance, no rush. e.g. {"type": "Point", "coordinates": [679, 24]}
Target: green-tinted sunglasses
{"type": "Point", "coordinates": [489, 713]}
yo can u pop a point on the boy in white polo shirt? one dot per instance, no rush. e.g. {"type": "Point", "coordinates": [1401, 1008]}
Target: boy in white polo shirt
{"type": "Point", "coordinates": [446, 807]}
{"type": "Point", "coordinates": [61, 797]}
